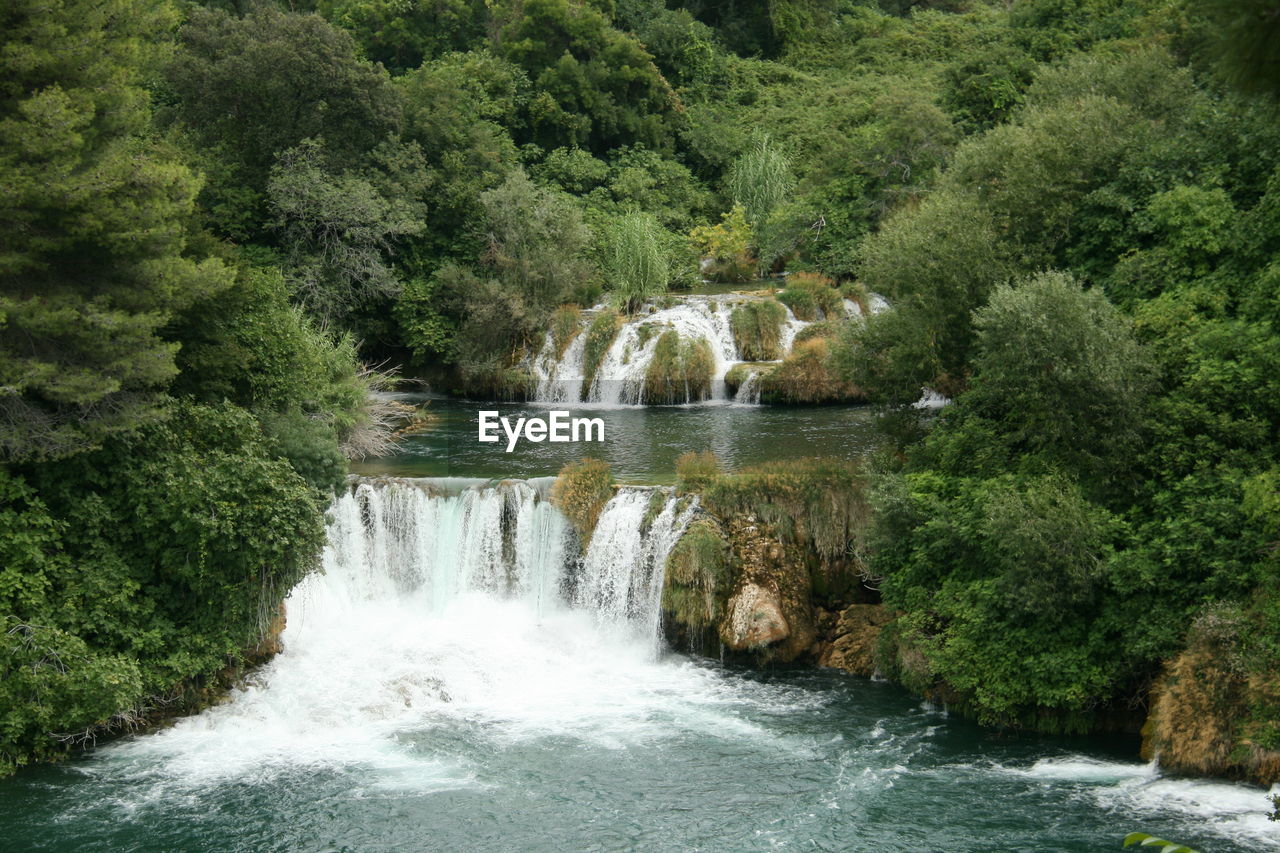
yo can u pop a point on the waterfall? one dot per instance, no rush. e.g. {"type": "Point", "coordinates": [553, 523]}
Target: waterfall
{"type": "Point", "coordinates": [433, 542]}
{"type": "Point", "coordinates": [619, 380]}
{"type": "Point", "coordinates": [560, 376]}
{"type": "Point", "coordinates": [748, 393]}
{"type": "Point", "coordinates": [621, 578]}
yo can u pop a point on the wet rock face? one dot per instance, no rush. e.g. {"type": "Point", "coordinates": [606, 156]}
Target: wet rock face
{"type": "Point", "coordinates": [769, 611]}
{"type": "Point", "coordinates": [854, 636]}
{"type": "Point", "coordinates": [754, 619]}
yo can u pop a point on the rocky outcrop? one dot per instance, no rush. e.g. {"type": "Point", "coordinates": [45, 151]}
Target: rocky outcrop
{"type": "Point", "coordinates": [1200, 722]}
{"type": "Point", "coordinates": [851, 638]}
{"type": "Point", "coordinates": [769, 611]}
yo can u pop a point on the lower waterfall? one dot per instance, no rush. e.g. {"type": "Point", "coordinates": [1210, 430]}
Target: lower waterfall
{"type": "Point", "coordinates": [462, 676]}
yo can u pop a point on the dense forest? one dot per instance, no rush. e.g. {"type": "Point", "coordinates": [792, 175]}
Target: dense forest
{"type": "Point", "coordinates": [223, 221]}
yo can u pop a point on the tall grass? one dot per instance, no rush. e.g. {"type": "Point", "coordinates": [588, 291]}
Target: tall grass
{"type": "Point", "coordinates": [580, 491]}
{"type": "Point", "coordinates": [637, 259]}
{"type": "Point", "coordinates": [757, 330]}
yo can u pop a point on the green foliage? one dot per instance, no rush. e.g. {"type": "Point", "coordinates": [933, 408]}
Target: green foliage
{"type": "Point", "coordinates": [580, 491]}
{"type": "Point", "coordinates": [727, 246]}
{"type": "Point", "coordinates": [118, 597]}
{"type": "Point", "coordinates": [935, 264]}
{"type": "Point", "coordinates": [1060, 380]}
{"type": "Point", "coordinates": [760, 180]}
{"type": "Point", "coordinates": [680, 370]}
{"type": "Point", "coordinates": [597, 86]}
{"type": "Point", "coordinates": [337, 232]}
{"type": "Point", "coordinates": [97, 216]}
{"type": "Point", "coordinates": [812, 297]}
{"type": "Point", "coordinates": [400, 35]}
{"type": "Point", "coordinates": [637, 264]}
{"type": "Point", "coordinates": [251, 88]}
{"type": "Point", "coordinates": [757, 329]}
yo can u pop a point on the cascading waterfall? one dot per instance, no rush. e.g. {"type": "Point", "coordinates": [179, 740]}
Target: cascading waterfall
{"type": "Point", "coordinates": [621, 578]}
{"type": "Point", "coordinates": [619, 380]}
{"type": "Point", "coordinates": [437, 540]}
{"type": "Point", "coordinates": [620, 377]}
{"type": "Point", "coordinates": [748, 393]}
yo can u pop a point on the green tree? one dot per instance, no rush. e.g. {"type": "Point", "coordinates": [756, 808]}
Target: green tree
{"type": "Point", "coordinates": [596, 87]}
{"type": "Point", "coordinates": [1059, 378]}
{"type": "Point", "coordinates": [248, 89]}
{"type": "Point", "coordinates": [338, 231]}
{"type": "Point", "coordinates": [97, 218]}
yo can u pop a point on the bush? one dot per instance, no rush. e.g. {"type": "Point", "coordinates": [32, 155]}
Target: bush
{"type": "Point", "coordinates": [812, 297]}
{"type": "Point", "coordinates": [580, 491]}
{"type": "Point", "coordinates": [808, 375]}
{"type": "Point", "coordinates": [727, 247]}
{"type": "Point", "coordinates": [757, 330]}
{"type": "Point", "coordinates": [148, 586]}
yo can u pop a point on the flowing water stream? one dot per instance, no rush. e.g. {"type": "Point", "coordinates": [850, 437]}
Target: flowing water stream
{"type": "Point", "coordinates": [462, 678]}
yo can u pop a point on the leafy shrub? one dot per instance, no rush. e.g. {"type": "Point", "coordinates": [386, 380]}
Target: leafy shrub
{"type": "Point", "coordinates": [726, 247]}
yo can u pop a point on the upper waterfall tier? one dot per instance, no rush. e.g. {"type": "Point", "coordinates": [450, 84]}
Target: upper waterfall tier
{"type": "Point", "coordinates": [620, 376]}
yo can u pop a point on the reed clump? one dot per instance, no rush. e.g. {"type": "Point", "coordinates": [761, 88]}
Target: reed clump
{"type": "Point", "coordinates": [580, 492]}
{"type": "Point", "coordinates": [757, 329]}
{"type": "Point", "coordinates": [680, 371]}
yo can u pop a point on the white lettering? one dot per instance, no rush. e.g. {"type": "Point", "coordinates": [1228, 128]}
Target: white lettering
{"type": "Point", "coordinates": [587, 424]}
{"type": "Point", "coordinates": [486, 425]}
{"type": "Point", "coordinates": [559, 428]}
{"type": "Point", "coordinates": [513, 435]}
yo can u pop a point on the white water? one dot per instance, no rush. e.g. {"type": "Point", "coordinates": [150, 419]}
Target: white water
{"type": "Point", "coordinates": [619, 379]}
{"type": "Point", "coordinates": [445, 601]}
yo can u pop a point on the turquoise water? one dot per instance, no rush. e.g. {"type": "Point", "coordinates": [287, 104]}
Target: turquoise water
{"type": "Point", "coordinates": [641, 443]}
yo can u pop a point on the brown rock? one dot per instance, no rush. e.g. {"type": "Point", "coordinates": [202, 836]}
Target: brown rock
{"type": "Point", "coordinates": [754, 619]}
{"type": "Point", "coordinates": [856, 634]}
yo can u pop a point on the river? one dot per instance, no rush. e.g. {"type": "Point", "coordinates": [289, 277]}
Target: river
{"type": "Point", "coordinates": [459, 679]}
